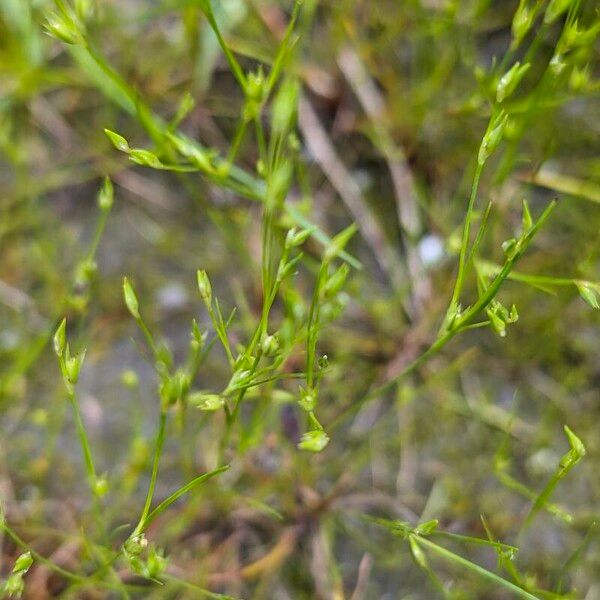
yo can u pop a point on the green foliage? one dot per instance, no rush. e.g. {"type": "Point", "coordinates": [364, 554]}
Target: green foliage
{"type": "Point", "coordinates": [325, 378]}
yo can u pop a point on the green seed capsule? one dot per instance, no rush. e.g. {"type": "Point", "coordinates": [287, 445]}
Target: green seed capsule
{"type": "Point", "coordinates": [270, 345]}
{"type": "Point", "coordinates": [23, 562]}
{"type": "Point", "coordinates": [510, 80]}
{"type": "Point", "coordinates": [144, 158]}
{"type": "Point", "coordinates": [492, 138]}
{"type": "Point", "coordinates": [73, 367]}
{"type": "Point", "coordinates": [100, 486]}
{"type": "Point", "coordinates": [206, 401]}
{"type": "Point", "coordinates": [60, 337]}
{"type": "Point", "coordinates": [314, 441]}
{"type": "Point", "coordinates": [118, 141]}
{"type": "Point", "coordinates": [63, 29]}
{"type": "Point", "coordinates": [308, 400]}
{"type": "Point", "coordinates": [106, 195]}
{"type": "Point", "coordinates": [204, 287]}
{"type": "Point", "coordinates": [131, 300]}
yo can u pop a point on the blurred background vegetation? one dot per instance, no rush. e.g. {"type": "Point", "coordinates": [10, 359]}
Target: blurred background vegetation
{"type": "Point", "coordinates": [392, 112]}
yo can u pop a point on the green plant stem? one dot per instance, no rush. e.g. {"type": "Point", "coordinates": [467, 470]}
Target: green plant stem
{"type": "Point", "coordinates": [160, 439]}
{"type": "Point", "coordinates": [467, 564]}
{"type": "Point", "coordinates": [313, 324]}
{"type": "Point", "coordinates": [233, 63]}
{"type": "Point", "coordinates": [83, 439]}
{"type": "Point", "coordinates": [180, 492]}
{"type": "Point", "coordinates": [462, 260]}
{"type": "Point", "coordinates": [86, 451]}
{"type": "Point", "coordinates": [464, 320]}
{"type": "Point", "coordinates": [40, 558]}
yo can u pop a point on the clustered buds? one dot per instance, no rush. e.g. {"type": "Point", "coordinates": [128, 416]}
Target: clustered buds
{"type": "Point", "coordinates": [154, 563]}
{"type": "Point", "coordinates": [64, 27]}
{"type": "Point", "coordinates": [140, 156]}
{"type": "Point", "coordinates": [70, 365]}
{"type": "Point", "coordinates": [14, 585]}
{"type": "Point", "coordinates": [500, 316]}
{"type": "Point", "coordinates": [173, 388]}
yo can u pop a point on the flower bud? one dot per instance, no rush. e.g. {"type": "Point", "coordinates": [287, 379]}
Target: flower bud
{"type": "Point", "coordinates": [589, 294]}
{"type": "Point", "coordinates": [155, 564]}
{"type": "Point", "coordinates": [427, 528]}
{"type": "Point", "coordinates": [557, 64]}
{"type": "Point", "coordinates": [14, 585]}
{"type": "Point", "coordinates": [85, 271]}
{"type": "Point", "coordinates": [62, 28]}
{"type": "Point", "coordinates": [417, 553]}
{"type": "Point", "coordinates": [576, 444]}
{"type": "Point", "coordinates": [296, 238]}
{"type": "Point", "coordinates": [255, 85]}
{"type": "Point", "coordinates": [270, 345]}
{"type": "Point", "coordinates": [313, 441]}
{"type": "Point", "coordinates": [492, 138]}
{"type": "Point", "coordinates": [143, 157]}
{"type": "Point", "coordinates": [522, 22]}
{"type": "Point", "coordinates": [186, 105]}
{"type": "Point", "coordinates": [336, 281]}
{"type": "Point", "coordinates": [204, 288]}
{"type": "Point", "coordinates": [206, 401]}
{"type": "Point", "coordinates": [198, 338]}
{"type": "Point", "coordinates": [100, 486]}
{"type": "Point", "coordinates": [527, 221]}
{"type": "Point", "coordinates": [338, 243]}
{"type": "Point", "coordinates": [509, 247]}
{"type": "Point", "coordinates": [129, 379]}
{"type": "Point", "coordinates": [510, 80]}
{"type": "Point", "coordinates": [59, 339]}
{"type": "Point", "coordinates": [238, 379]}
{"type": "Point", "coordinates": [106, 195]}
{"type": "Point", "coordinates": [173, 388]}
{"type": "Point", "coordinates": [131, 300]}
{"type": "Point", "coordinates": [135, 545]}
{"type": "Point", "coordinates": [579, 79]}
{"type": "Point", "coordinates": [23, 562]}
{"type": "Point", "coordinates": [118, 141]}
{"type": "Point", "coordinates": [73, 367]}
{"type": "Point", "coordinates": [308, 400]}
{"type": "Point", "coordinates": [554, 9]}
